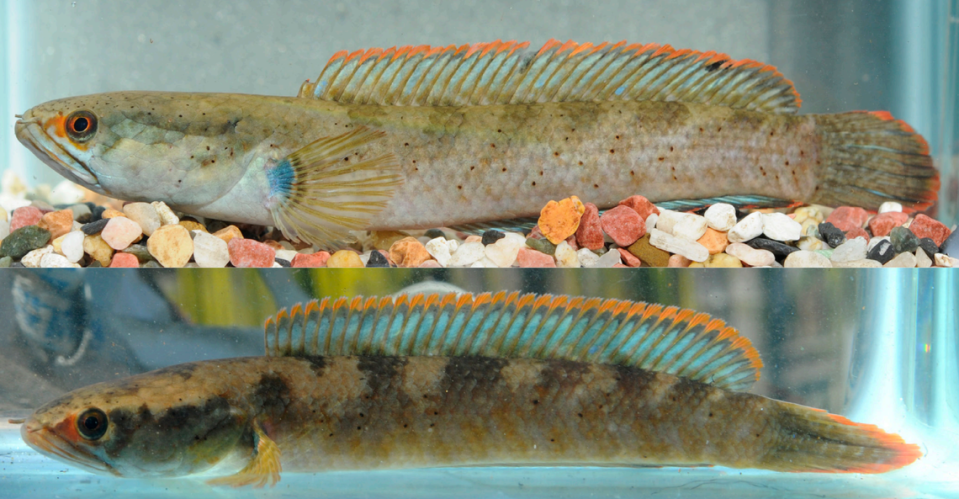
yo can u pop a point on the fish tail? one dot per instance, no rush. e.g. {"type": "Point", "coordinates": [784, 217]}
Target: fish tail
{"type": "Point", "coordinates": [812, 440]}
{"type": "Point", "coordinates": [869, 158]}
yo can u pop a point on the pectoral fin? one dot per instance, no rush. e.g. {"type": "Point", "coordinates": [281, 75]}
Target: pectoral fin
{"type": "Point", "coordinates": [264, 467]}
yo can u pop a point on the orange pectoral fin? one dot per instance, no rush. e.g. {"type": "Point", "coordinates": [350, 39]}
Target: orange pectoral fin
{"type": "Point", "coordinates": [264, 468]}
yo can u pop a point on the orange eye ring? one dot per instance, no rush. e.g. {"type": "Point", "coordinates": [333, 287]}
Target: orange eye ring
{"type": "Point", "coordinates": [81, 126]}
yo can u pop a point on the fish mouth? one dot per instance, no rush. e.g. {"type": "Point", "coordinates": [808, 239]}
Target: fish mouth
{"type": "Point", "coordinates": [30, 133]}
{"type": "Point", "coordinates": [48, 442]}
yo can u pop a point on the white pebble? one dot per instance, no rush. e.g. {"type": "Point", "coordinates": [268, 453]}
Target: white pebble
{"type": "Point", "coordinates": [874, 241]}
{"type": "Point", "coordinates": [587, 258]}
{"type": "Point", "coordinates": [167, 217]}
{"type": "Point", "coordinates": [503, 252]}
{"type": "Point", "coordinates": [685, 225]}
{"type": "Point", "coordinates": [720, 216]}
{"type": "Point", "coordinates": [467, 254]}
{"type": "Point", "coordinates": [943, 260]}
{"type": "Point", "coordinates": [809, 243]}
{"type": "Point", "coordinates": [55, 261]}
{"type": "Point", "coordinates": [890, 206]}
{"type": "Point", "coordinates": [751, 256]}
{"type": "Point", "coordinates": [144, 214]}
{"type": "Point", "coordinates": [210, 251]}
{"type": "Point", "coordinates": [283, 254]}
{"type": "Point", "coordinates": [858, 264]}
{"type": "Point", "coordinates": [806, 259]}
{"type": "Point", "coordinates": [746, 229]}
{"type": "Point", "coordinates": [849, 251]}
{"type": "Point", "coordinates": [120, 232]}
{"type": "Point", "coordinates": [32, 259]}
{"type": "Point", "coordinates": [65, 192]}
{"type": "Point", "coordinates": [609, 259]}
{"type": "Point", "coordinates": [652, 220]}
{"type": "Point", "coordinates": [72, 246]}
{"type": "Point", "coordinates": [566, 256]}
{"type": "Point", "coordinates": [779, 227]}
{"type": "Point", "coordinates": [902, 260]}
{"type": "Point", "coordinates": [439, 249]}
{"type": "Point", "coordinates": [4, 229]}
{"type": "Point", "coordinates": [365, 258]}
{"type": "Point", "coordinates": [922, 259]}
{"type": "Point", "coordinates": [679, 246]}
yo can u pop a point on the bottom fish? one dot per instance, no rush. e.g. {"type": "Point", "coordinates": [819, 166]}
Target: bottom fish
{"type": "Point", "coordinates": [459, 380]}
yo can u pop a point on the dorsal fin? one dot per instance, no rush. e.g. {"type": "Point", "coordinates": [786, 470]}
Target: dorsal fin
{"type": "Point", "coordinates": [508, 73]}
{"type": "Point", "coordinates": [635, 334]}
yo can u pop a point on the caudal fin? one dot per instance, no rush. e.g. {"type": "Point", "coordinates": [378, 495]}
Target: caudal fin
{"type": "Point", "coordinates": [869, 158]}
{"type": "Point", "coordinates": [813, 440]}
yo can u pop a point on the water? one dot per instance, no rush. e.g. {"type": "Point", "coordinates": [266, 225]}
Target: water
{"type": "Point", "coordinates": [877, 347]}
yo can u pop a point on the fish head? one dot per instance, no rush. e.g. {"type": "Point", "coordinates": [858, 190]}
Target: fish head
{"type": "Point", "coordinates": [151, 425]}
{"type": "Point", "coordinates": [181, 148]}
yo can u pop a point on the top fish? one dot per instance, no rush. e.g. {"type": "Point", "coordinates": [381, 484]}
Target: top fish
{"type": "Point", "coordinates": [419, 137]}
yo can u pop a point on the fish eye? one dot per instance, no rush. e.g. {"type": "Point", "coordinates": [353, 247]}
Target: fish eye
{"type": "Point", "coordinates": [92, 424]}
{"type": "Point", "coordinates": [81, 125]}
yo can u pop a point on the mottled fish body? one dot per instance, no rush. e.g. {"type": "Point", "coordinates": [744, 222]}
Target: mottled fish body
{"type": "Point", "coordinates": [426, 137]}
{"type": "Point", "coordinates": [459, 380]}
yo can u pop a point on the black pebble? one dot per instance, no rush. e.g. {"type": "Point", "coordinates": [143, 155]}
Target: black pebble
{"type": "Point", "coordinates": [903, 240]}
{"type": "Point", "coordinates": [831, 234]}
{"type": "Point", "coordinates": [377, 260]}
{"type": "Point", "coordinates": [881, 252]}
{"type": "Point", "coordinates": [85, 218]}
{"type": "Point", "coordinates": [929, 247]}
{"type": "Point", "coordinates": [434, 233]}
{"type": "Point", "coordinates": [951, 245]}
{"type": "Point", "coordinates": [491, 236]}
{"type": "Point", "coordinates": [97, 213]}
{"type": "Point", "coordinates": [780, 250]}
{"type": "Point", "coordinates": [282, 262]}
{"type": "Point", "coordinates": [95, 227]}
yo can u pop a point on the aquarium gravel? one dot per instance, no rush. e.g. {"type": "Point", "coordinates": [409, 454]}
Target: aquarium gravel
{"type": "Point", "coordinates": [69, 226]}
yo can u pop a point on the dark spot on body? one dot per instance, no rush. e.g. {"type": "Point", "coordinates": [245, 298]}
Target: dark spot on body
{"type": "Point", "coordinates": [271, 396]}
{"type": "Point", "coordinates": [379, 371]}
{"type": "Point", "coordinates": [317, 363]}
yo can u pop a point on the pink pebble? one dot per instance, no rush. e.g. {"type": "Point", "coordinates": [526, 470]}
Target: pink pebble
{"type": "Point", "coordinates": [530, 258]}
{"type": "Point", "coordinates": [629, 259]}
{"type": "Point", "coordinates": [535, 233]}
{"type": "Point", "coordinates": [923, 226]}
{"type": "Point", "coordinates": [27, 215]}
{"type": "Point", "coordinates": [857, 232]}
{"type": "Point", "coordinates": [590, 233]}
{"type": "Point", "coordinates": [623, 225]}
{"type": "Point", "coordinates": [678, 261]}
{"type": "Point", "coordinates": [848, 218]}
{"type": "Point", "coordinates": [620, 266]}
{"type": "Point", "coordinates": [312, 260]}
{"type": "Point", "coordinates": [641, 206]}
{"type": "Point", "coordinates": [247, 253]}
{"type": "Point", "coordinates": [430, 264]}
{"type": "Point", "coordinates": [120, 232]}
{"type": "Point", "coordinates": [883, 223]}
{"type": "Point", "coordinates": [124, 260]}
{"type": "Point", "coordinates": [571, 241]}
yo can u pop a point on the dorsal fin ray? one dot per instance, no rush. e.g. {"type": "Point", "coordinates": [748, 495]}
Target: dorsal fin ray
{"type": "Point", "coordinates": [509, 73]}
{"type": "Point", "coordinates": [513, 325]}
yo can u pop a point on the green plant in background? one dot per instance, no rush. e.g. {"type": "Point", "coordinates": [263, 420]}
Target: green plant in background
{"type": "Point", "coordinates": [223, 297]}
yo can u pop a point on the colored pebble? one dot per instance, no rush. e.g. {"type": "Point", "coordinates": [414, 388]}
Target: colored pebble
{"type": "Point", "coordinates": [33, 258]}
{"type": "Point", "coordinates": [809, 243]}
{"type": "Point", "coordinates": [287, 255]}
{"type": "Point", "coordinates": [629, 259]}
{"type": "Point", "coordinates": [851, 250]}
{"type": "Point", "coordinates": [559, 220]}
{"type": "Point", "coordinates": [680, 262]}
{"type": "Point", "coordinates": [22, 217]}
{"type": "Point", "coordinates": [608, 260]}
{"type": "Point", "coordinates": [642, 206]}
{"type": "Point", "coordinates": [57, 222]}
{"type": "Point", "coordinates": [831, 234]}
{"type": "Point", "coordinates": [748, 228]}
{"type": "Point", "coordinates": [6, 262]}
{"type": "Point", "coordinates": [121, 232]}
{"type": "Point", "coordinates": [586, 257]}
{"type": "Point", "coordinates": [408, 252]}
{"type": "Point", "coordinates": [81, 213]}
{"type": "Point", "coordinates": [141, 252]}
{"type": "Point", "coordinates": [714, 241]}
{"type": "Point", "coordinates": [384, 239]}
{"type": "Point", "coordinates": [881, 252]}
{"type": "Point", "coordinates": [124, 260]}
{"type": "Point", "coordinates": [247, 253]}
{"type": "Point", "coordinates": [780, 227]}
{"type": "Point", "coordinates": [541, 245]}
{"type": "Point", "coordinates": [590, 231]}
{"type": "Point", "coordinates": [858, 264]}
{"type": "Point", "coordinates": [924, 226]}
{"type": "Point", "coordinates": [751, 256]}
{"type": "Point", "coordinates": [167, 217]}
{"type": "Point", "coordinates": [806, 259]}
{"type": "Point", "coordinates": [4, 229]}
{"type": "Point", "coordinates": [439, 249]}
{"type": "Point", "coordinates": [720, 216]}
{"type": "Point", "coordinates": [566, 256]}
{"type": "Point", "coordinates": [192, 225]}
{"type": "Point", "coordinates": [172, 245]}
{"type": "Point", "coordinates": [951, 245]}
{"type": "Point", "coordinates": [504, 251]}
{"type": "Point", "coordinates": [623, 225]}
{"type": "Point", "coordinates": [210, 251]}
{"type": "Point", "coordinates": [902, 260]}
{"type": "Point", "coordinates": [72, 246]}
{"type": "Point", "coordinates": [928, 246]}
{"type": "Point", "coordinates": [434, 233]}
{"type": "Point", "coordinates": [98, 249]}
{"type": "Point", "coordinates": [343, 259]}
{"type": "Point", "coordinates": [649, 254]}
{"type": "Point", "coordinates": [778, 249]}
{"type": "Point", "coordinates": [857, 232]}
{"type": "Point", "coordinates": [922, 259]}
{"type": "Point", "coordinates": [722, 260]}
{"type": "Point", "coordinates": [688, 226]}
{"type": "Point", "coordinates": [941, 260]}
{"type": "Point", "coordinates": [530, 258]}
{"type": "Point", "coordinates": [95, 227]}
{"type": "Point", "coordinates": [903, 240]}
{"type": "Point", "coordinates": [881, 224]}
{"type": "Point", "coordinates": [467, 254]}
{"type": "Point", "coordinates": [677, 245]}
{"type": "Point", "coordinates": [24, 240]}
{"type": "Point", "coordinates": [890, 206]}
{"type": "Point", "coordinates": [111, 213]}
{"type": "Point", "coordinates": [311, 260]}
{"type": "Point", "coordinates": [848, 217]}
{"type": "Point", "coordinates": [430, 264]}
{"type": "Point", "coordinates": [378, 260]}
{"type": "Point", "coordinates": [491, 236]}
{"type": "Point", "coordinates": [144, 214]}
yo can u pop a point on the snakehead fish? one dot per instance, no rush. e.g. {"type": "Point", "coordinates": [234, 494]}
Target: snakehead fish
{"type": "Point", "coordinates": [459, 380]}
{"type": "Point", "coordinates": [421, 137]}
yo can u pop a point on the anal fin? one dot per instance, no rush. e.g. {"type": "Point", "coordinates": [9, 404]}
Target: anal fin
{"type": "Point", "coordinates": [263, 469]}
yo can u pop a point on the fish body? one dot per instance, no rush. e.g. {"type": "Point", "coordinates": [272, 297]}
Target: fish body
{"type": "Point", "coordinates": [356, 152]}
{"type": "Point", "coordinates": [487, 380]}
